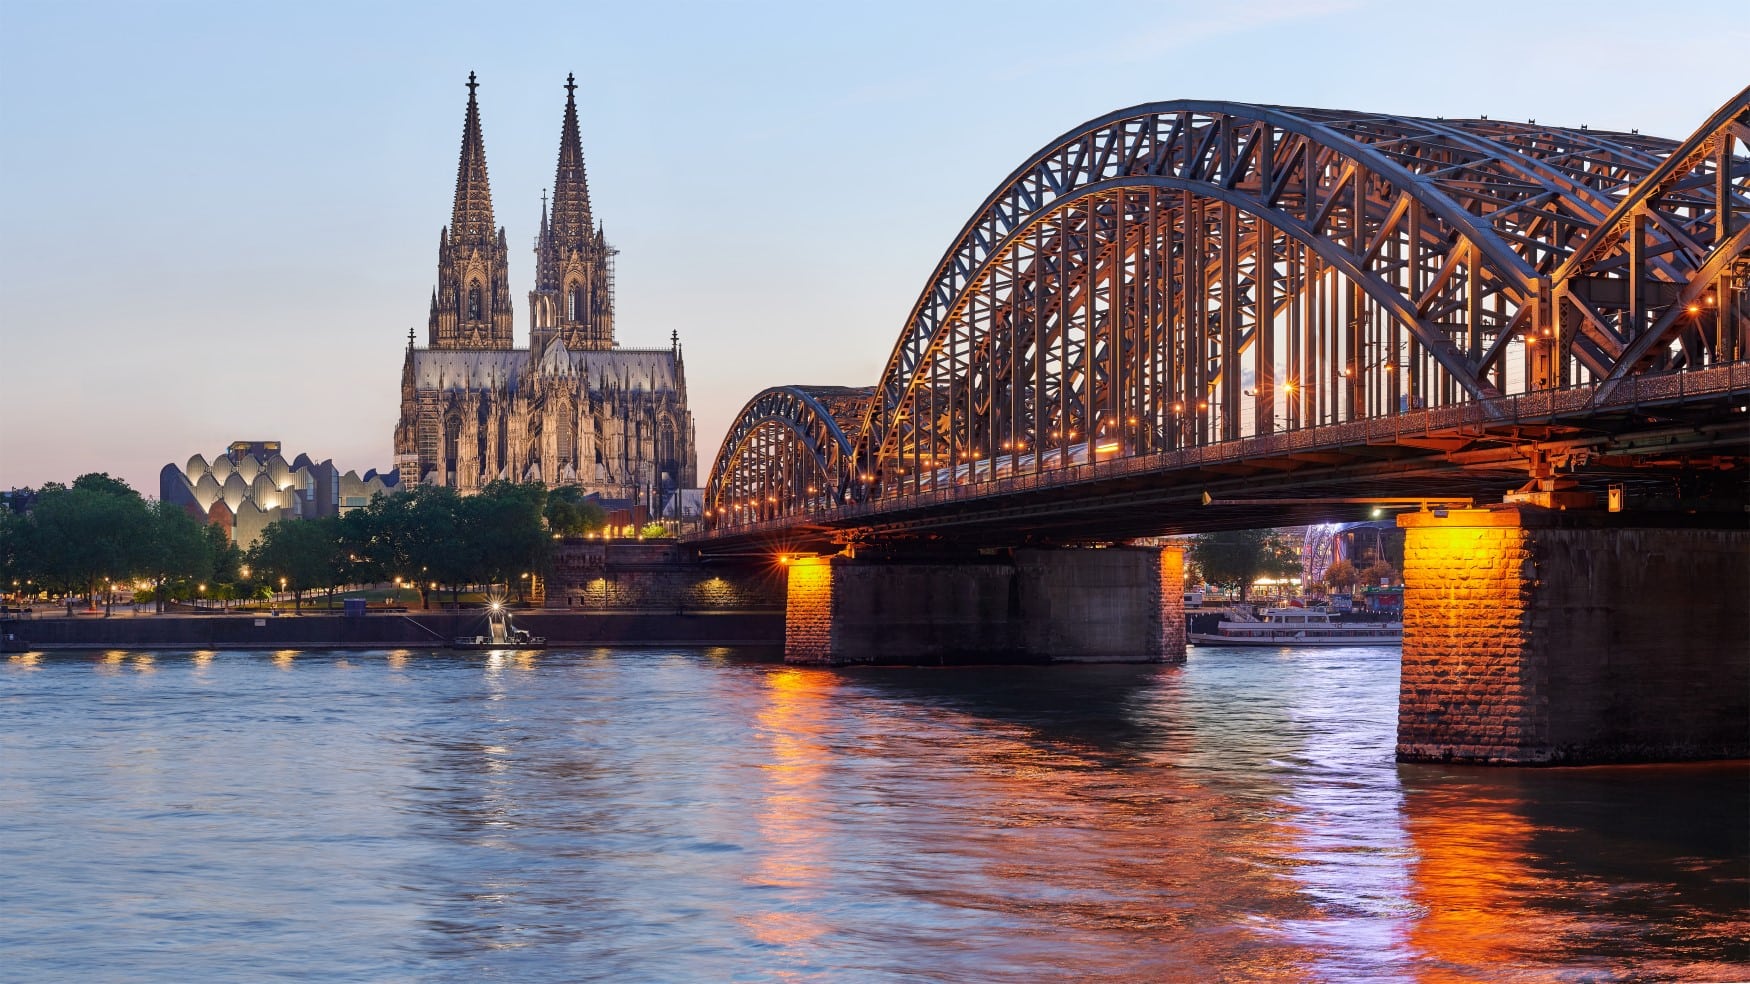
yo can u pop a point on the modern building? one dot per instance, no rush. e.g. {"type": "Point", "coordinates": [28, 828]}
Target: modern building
{"type": "Point", "coordinates": [251, 485]}
{"type": "Point", "coordinates": [573, 408]}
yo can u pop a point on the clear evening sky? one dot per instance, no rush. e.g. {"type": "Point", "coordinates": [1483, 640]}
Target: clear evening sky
{"type": "Point", "coordinates": [223, 218]}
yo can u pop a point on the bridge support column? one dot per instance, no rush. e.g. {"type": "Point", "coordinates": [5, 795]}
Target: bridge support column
{"type": "Point", "coordinates": [1533, 636]}
{"type": "Point", "coordinates": [1113, 605]}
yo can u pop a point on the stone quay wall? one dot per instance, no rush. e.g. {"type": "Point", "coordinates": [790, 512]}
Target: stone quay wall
{"type": "Point", "coordinates": [415, 630]}
{"type": "Point", "coordinates": [1540, 637]}
{"type": "Point", "coordinates": [618, 576]}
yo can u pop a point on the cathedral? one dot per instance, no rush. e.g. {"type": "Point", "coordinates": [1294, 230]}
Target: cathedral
{"type": "Point", "coordinates": [571, 409]}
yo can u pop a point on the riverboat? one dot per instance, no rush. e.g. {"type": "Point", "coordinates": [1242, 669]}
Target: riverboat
{"type": "Point", "coordinates": [1298, 627]}
{"type": "Point", "coordinates": [500, 634]}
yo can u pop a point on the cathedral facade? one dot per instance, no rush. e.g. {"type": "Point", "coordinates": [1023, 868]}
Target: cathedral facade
{"type": "Point", "coordinates": [573, 408]}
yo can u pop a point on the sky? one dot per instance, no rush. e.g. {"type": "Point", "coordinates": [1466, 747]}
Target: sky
{"type": "Point", "coordinates": [223, 218]}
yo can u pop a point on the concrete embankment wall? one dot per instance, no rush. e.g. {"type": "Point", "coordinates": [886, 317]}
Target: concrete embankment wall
{"type": "Point", "coordinates": [419, 630]}
{"type": "Point", "coordinates": [1116, 605]}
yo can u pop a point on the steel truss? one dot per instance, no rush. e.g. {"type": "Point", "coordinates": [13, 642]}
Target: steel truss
{"type": "Point", "coordinates": [787, 453]}
{"type": "Point", "coordinates": [1185, 273]}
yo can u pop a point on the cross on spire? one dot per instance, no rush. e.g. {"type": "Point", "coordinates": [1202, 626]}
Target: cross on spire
{"type": "Point", "coordinates": [570, 84]}
{"type": "Point", "coordinates": [472, 85]}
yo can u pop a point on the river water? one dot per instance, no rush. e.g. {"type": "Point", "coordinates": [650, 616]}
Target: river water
{"type": "Point", "coordinates": [709, 815]}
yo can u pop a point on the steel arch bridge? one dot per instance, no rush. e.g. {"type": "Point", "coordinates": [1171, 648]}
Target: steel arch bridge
{"type": "Point", "coordinates": [1189, 276]}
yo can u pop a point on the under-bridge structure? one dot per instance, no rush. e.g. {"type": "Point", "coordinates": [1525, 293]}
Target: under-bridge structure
{"type": "Point", "coordinates": [1196, 315]}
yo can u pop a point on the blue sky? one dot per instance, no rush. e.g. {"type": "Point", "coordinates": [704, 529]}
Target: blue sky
{"type": "Point", "coordinates": [223, 217]}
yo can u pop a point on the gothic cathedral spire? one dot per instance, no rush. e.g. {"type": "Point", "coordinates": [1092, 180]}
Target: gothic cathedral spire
{"type": "Point", "coordinates": [571, 218]}
{"type": "Point", "coordinates": [573, 297]}
{"type": "Point", "coordinates": [473, 308]}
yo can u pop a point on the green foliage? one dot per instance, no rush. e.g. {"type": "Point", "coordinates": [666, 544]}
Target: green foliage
{"type": "Point", "coordinates": [79, 536]}
{"type": "Point", "coordinates": [299, 553]}
{"type": "Point", "coordinates": [502, 527]}
{"type": "Point", "coordinates": [431, 535]}
{"type": "Point", "coordinates": [1232, 560]}
{"type": "Point", "coordinates": [180, 549]}
{"type": "Point", "coordinates": [1380, 572]}
{"type": "Point", "coordinates": [1341, 576]}
{"type": "Point", "coordinates": [653, 530]}
{"type": "Point", "coordinates": [569, 513]}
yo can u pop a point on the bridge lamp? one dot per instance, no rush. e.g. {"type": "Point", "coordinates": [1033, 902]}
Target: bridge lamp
{"type": "Point", "coordinates": [1694, 309]}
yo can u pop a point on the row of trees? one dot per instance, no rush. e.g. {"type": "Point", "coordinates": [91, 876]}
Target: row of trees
{"type": "Point", "coordinates": [79, 539]}
{"type": "Point", "coordinates": [1343, 575]}
{"type": "Point", "coordinates": [1234, 559]}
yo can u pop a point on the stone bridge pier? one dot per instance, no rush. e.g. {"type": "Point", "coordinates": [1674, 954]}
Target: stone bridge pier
{"type": "Point", "coordinates": [1536, 636]}
{"type": "Point", "coordinates": [1112, 604]}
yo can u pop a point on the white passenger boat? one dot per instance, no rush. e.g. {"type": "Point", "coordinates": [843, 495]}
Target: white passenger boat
{"type": "Point", "coordinates": [1298, 627]}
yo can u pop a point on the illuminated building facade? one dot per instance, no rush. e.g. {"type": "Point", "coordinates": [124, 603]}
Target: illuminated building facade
{"type": "Point", "coordinates": [571, 409]}
{"type": "Point", "coordinates": [252, 484]}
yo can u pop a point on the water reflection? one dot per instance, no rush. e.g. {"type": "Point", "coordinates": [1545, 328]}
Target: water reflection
{"type": "Point", "coordinates": [664, 815]}
{"type": "Point", "coordinates": [793, 724]}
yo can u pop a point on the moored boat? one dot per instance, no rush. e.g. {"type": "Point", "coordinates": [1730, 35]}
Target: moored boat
{"type": "Point", "coordinates": [500, 634]}
{"type": "Point", "coordinates": [1298, 627]}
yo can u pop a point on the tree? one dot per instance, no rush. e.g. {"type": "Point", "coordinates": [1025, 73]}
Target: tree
{"type": "Point", "coordinates": [179, 549]}
{"type": "Point", "coordinates": [298, 554]}
{"type": "Point", "coordinates": [93, 532]}
{"type": "Point", "coordinates": [16, 568]}
{"type": "Point", "coordinates": [569, 513]}
{"type": "Point", "coordinates": [440, 553]}
{"type": "Point", "coordinates": [1381, 572]}
{"type": "Point", "coordinates": [1232, 560]}
{"type": "Point", "coordinates": [1341, 576]}
{"type": "Point", "coordinates": [502, 526]}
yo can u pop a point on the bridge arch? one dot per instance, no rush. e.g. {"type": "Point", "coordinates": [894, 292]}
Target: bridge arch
{"type": "Point", "coordinates": [786, 453]}
{"type": "Point", "coordinates": [1449, 229]}
{"type": "Point", "coordinates": [1184, 273]}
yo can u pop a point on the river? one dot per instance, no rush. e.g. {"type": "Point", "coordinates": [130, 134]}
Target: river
{"type": "Point", "coordinates": [711, 815]}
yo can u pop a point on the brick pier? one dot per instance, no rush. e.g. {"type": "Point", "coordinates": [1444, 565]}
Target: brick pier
{"type": "Point", "coordinates": [1119, 604]}
{"type": "Point", "coordinates": [1533, 636]}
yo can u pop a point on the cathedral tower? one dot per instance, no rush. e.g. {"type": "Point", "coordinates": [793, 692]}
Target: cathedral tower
{"type": "Point", "coordinates": [573, 299]}
{"type": "Point", "coordinates": [471, 308]}
{"type": "Point", "coordinates": [574, 409]}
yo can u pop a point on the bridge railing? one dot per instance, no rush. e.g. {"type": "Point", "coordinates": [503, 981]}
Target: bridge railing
{"type": "Point", "coordinates": [1539, 407]}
